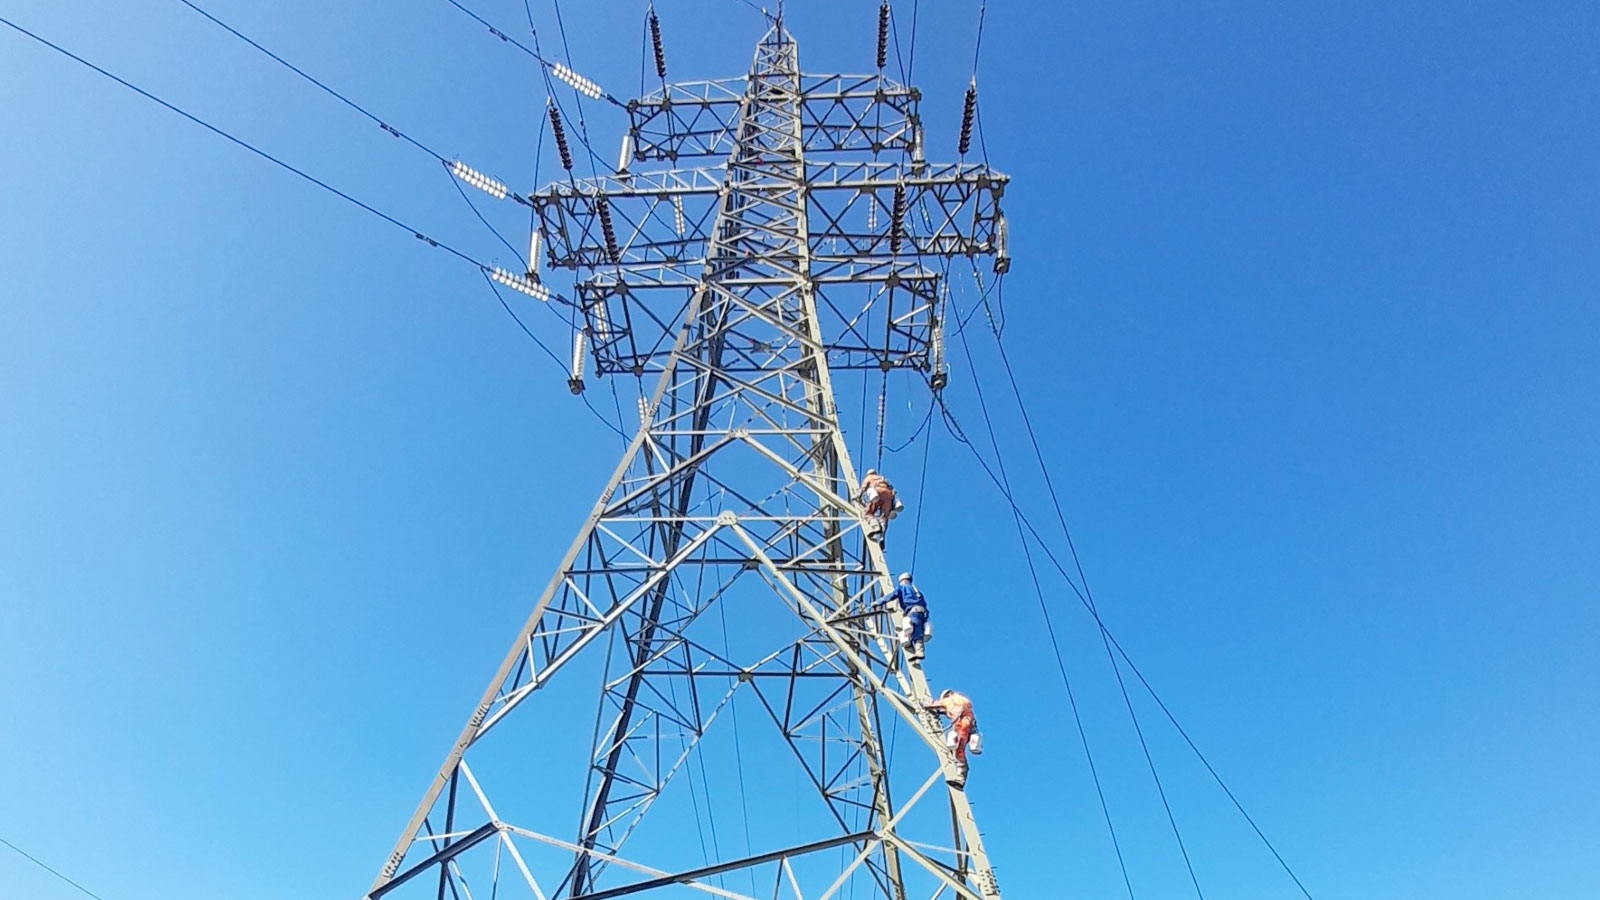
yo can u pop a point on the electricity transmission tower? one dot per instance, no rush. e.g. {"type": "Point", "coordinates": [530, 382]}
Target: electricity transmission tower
{"type": "Point", "coordinates": [764, 232]}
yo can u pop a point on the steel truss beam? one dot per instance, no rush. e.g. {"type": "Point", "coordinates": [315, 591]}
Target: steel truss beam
{"type": "Point", "coordinates": [741, 287]}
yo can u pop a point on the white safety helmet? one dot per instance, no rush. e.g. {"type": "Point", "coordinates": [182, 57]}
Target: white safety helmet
{"type": "Point", "coordinates": [872, 471]}
{"type": "Point", "coordinates": [945, 693]}
{"type": "Point", "coordinates": [905, 577]}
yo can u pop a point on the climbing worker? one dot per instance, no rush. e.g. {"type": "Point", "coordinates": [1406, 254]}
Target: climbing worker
{"type": "Point", "coordinates": [963, 724]}
{"type": "Point", "coordinates": [879, 503]}
{"type": "Point", "coordinates": [914, 627]}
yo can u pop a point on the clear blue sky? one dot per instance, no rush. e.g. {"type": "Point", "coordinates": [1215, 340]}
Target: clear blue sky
{"type": "Point", "coordinates": [1306, 302]}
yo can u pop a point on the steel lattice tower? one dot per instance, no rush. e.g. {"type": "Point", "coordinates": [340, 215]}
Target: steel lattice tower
{"type": "Point", "coordinates": [725, 557]}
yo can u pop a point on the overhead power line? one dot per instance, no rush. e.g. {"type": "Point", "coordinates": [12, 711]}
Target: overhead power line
{"type": "Point", "coordinates": [41, 864]}
{"type": "Point", "coordinates": [308, 77]}
{"type": "Point", "coordinates": [515, 253]}
{"type": "Point", "coordinates": [1055, 644]}
{"type": "Point", "coordinates": [1133, 715]}
{"type": "Point", "coordinates": [246, 145]}
{"type": "Point", "coordinates": [490, 273]}
{"type": "Point", "coordinates": [560, 70]}
{"type": "Point", "coordinates": [459, 172]}
{"type": "Point", "coordinates": [954, 427]}
{"type": "Point", "coordinates": [1088, 597]}
{"type": "Point", "coordinates": [752, 5]}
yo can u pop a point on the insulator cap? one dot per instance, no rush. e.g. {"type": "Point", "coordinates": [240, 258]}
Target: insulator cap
{"type": "Point", "coordinates": [561, 138]}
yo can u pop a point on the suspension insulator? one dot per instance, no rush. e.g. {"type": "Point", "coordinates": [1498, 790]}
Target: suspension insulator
{"type": "Point", "coordinates": [561, 138]}
{"type": "Point", "coordinates": [883, 34]}
{"type": "Point", "coordinates": [604, 209]}
{"type": "Point", "coordinates": [1002, 240]}
{"type": "Point", "coordinates": [968, 110]}
{"type": "Point", "coordinates": [601, 333]}
{"type": "Point", "coordinates": [883, 411]}
{"type": "Point", "coordinates": [655, 41]}
{"type": "Point", "coordinates": [939, 375]}
{"type": "Point", "coordinates": [575, 380]}
{"type": "Point", "coordinates": [897, 222]}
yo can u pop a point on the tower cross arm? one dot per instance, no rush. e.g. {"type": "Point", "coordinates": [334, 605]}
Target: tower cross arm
{"type": "Point", "coordinates": [838, 113]}
{"type": "Point", "coordinates": [950, 209]}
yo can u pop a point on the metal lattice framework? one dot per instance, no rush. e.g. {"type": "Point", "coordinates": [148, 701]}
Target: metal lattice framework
{"type": "Point", "coordinates": [725, 559]}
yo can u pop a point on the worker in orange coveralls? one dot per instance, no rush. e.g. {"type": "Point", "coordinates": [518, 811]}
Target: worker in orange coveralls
{"type": "Point", "coordinates": [877, 498]}
{"type": "Point", "coordinates": [958, 709]}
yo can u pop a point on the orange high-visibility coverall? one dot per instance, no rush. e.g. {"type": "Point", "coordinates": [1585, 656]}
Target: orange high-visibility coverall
{"type": "Point", "coordinates": [883, 501]}
{"type": "Point", "coordinates": [962, 722]}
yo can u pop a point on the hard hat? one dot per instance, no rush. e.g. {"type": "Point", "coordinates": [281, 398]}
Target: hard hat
{"type": "Point", "coordinates": [872, 471]}
{"type": "Point", "coordinates": [945, 693]}
{"type": "Point", "coordinates": [905, 576]}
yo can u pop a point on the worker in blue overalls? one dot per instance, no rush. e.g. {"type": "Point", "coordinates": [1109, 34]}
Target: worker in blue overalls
{"type": "Point", "coordinates": [914, 627]}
